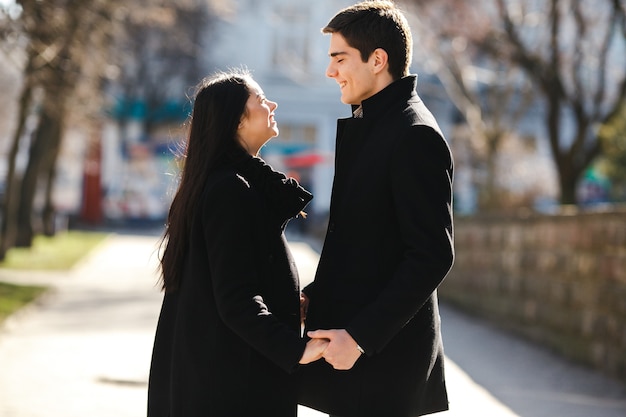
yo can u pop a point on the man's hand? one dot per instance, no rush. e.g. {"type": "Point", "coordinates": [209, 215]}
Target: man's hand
{"type": "Point", "coordinates": [342, 352]}
{"type": "Point", "coordinates": [313, 350]}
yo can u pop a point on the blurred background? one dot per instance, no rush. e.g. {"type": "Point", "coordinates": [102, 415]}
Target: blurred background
{"type": "Point", "coordinates": [531, 96]}
{"type": "Point", "coordinates": [95, 94]}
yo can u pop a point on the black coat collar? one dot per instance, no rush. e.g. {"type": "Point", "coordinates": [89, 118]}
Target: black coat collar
{"type": "Point", "coordinates": [399, 90]}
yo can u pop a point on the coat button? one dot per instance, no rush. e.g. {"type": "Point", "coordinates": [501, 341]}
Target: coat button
{"type": "Point", "coordinates": [331, 226]}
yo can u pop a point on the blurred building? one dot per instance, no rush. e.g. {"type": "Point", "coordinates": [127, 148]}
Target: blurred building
{"type": "Point", "coordinates": [281, 42]}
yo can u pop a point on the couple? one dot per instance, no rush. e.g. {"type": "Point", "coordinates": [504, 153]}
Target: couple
{"type": "Point", "coordinates": [228, 340]}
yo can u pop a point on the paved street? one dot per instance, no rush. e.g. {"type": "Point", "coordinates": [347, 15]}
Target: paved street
{"type": "Point", "coordinates": [84, 349]}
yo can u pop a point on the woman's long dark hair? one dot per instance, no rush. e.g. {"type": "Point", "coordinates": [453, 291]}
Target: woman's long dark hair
{"type": "Point", "coordinates": [219, 104]}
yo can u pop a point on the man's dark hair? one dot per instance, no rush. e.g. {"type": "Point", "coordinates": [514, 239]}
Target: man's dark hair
{"type": "Point", "coordinates": [370, 25]}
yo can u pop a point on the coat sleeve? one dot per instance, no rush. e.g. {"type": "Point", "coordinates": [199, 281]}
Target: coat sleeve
{"type": "Point", "coordinates": [421, 184]}
{"type": "Point", "coordinates": [230, 211]}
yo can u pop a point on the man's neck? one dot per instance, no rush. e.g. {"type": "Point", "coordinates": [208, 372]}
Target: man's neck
{"type": "Point", "coordinates": [381, 82]}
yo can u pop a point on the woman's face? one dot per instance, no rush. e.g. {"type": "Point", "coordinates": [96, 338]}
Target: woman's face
{"type": "Point", "coordinates": [257, 126]}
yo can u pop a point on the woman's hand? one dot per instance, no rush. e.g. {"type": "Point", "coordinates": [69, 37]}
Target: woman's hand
{"type": "Point", "coordinates": [314, 350]}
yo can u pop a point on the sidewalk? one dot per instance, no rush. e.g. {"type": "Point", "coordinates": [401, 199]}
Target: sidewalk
{"type": "Point", "coordinates": [84, 350]}
{"type": "Point", "coordinates": [494, 374]}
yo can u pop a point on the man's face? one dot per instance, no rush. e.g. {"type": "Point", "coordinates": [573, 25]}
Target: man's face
{"type": "Point", "coordinates": [356, 78]}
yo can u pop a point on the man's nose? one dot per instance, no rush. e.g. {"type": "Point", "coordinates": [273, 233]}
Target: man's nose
{"type": "Point", "coordinates": [331, 72]}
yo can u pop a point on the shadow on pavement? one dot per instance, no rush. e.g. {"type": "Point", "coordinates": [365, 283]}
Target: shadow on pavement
{"type": "Point", "coordinates": [529, 379]}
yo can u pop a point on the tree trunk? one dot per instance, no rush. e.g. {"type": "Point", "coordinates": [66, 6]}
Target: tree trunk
{"type": "Point", "coordinates": [568, 185]}
{"type": "Point", "coordinates": [49, 169]}
{"type": "Point", "coordinates": [8, 228]}
{"type": "Point", "coordinates": [59, 77]}
{"type": "Point", "coordinates": [48, 215]}
{"type": "Point", "coordinates": [46, 134]}
{"type": "Point", "coordinates": [490, 200]}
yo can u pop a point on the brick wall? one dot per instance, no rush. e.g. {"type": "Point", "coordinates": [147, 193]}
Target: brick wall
{"type": "Point", "coordinates": [559, 279]}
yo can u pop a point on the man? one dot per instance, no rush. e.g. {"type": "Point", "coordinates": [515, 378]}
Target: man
{"type": "Point", "coordinates": [389, 242]}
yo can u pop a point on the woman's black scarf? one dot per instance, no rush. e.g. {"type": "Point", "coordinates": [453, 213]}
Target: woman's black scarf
{"type": "Point", "coordinates": [284, 196]}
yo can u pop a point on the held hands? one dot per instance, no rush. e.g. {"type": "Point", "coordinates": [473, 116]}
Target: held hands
{"type": "Point", "coordinates": [342, 351]}
{"type": "Point", "coordinates": [313, 351]}
{"type": "Point", "coordinates": [336, 346]}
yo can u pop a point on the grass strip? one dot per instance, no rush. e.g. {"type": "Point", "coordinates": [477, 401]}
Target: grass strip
{"type": "Point", "coordinates": [13, 297]}
{"type": "Point", "coordinates": [58, 252]}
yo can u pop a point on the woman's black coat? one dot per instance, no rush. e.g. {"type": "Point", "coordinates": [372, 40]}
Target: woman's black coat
{"type": "Point", "coordinates": [228, 339]}
{"type": "Point", "coordinates": [388, 246]}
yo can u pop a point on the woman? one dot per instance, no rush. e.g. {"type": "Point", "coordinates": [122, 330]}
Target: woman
{"type": "Point", "coordinates": [228, 335]}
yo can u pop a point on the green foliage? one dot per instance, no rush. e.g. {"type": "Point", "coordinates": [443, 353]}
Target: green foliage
{"type": "Point", "coordinates": [13, 297]}
{"type": "Point", "coordinates": [53, 253]}
{"type": "Point", "coordinates": [613, 160]}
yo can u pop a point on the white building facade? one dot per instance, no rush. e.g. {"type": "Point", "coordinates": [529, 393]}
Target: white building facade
{"type": "Point", "coordinates": [281, 43]}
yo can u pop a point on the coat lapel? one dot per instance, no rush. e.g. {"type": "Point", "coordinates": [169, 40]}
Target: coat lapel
{"type": "Point", "coordinates": [350, 141]}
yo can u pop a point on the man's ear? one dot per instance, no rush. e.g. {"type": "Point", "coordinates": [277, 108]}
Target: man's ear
{"type": "Point", "coordinates": [381, 60]}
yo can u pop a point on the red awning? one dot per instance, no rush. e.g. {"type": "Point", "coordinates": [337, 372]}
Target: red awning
{"type": "Point", "coordinates": [304, 160]}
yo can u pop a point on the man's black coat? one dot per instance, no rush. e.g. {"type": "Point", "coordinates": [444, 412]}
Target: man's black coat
{"type": "Point", "coordinates": [388, 246]}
